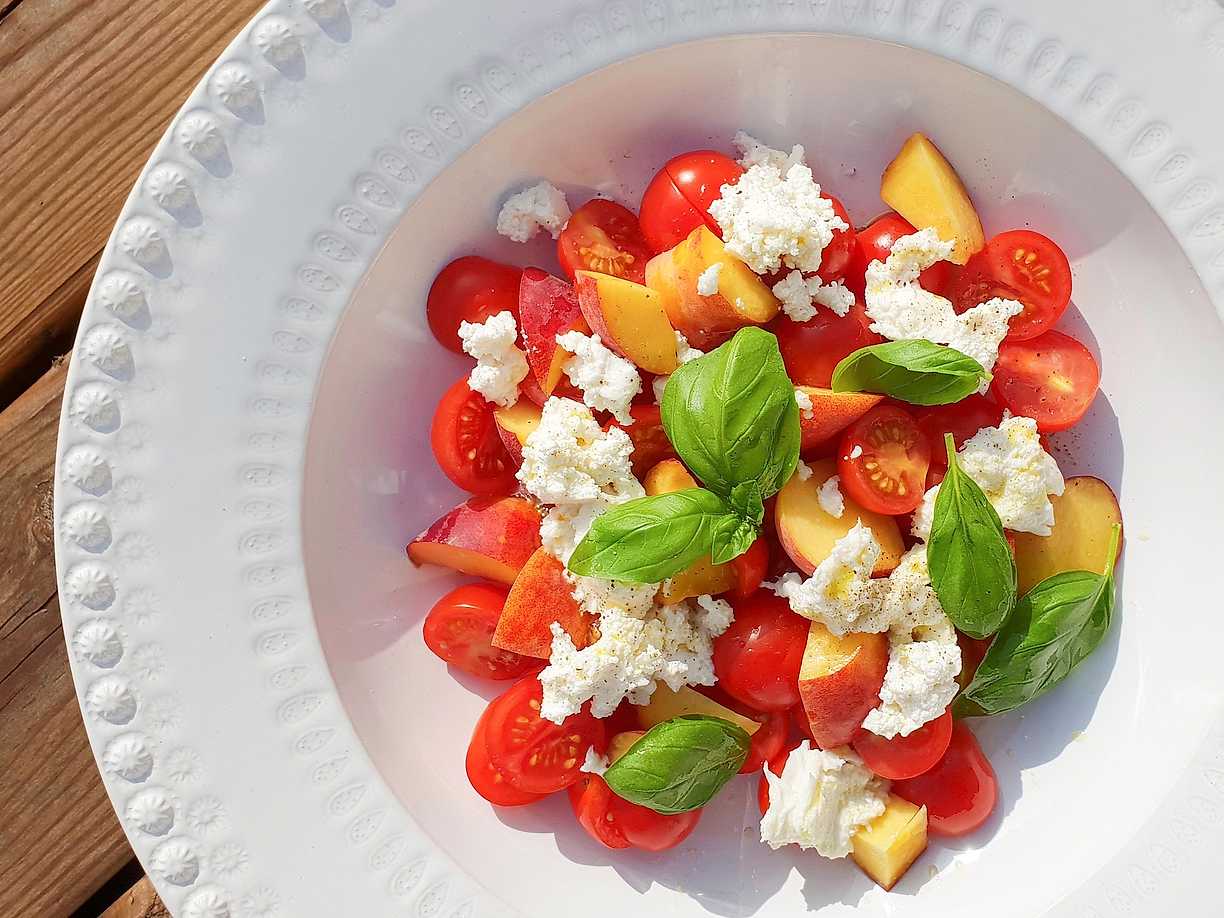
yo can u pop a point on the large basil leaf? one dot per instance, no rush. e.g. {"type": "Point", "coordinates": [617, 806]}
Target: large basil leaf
{"type": "Point", "coordinates": [1056, 625]}
{"type": "Point", "coordinates": [917, 371]}
{"type": "Point", "coordinates": [679, 765]}
{"type": "Point", "coordinates": [972, 568]}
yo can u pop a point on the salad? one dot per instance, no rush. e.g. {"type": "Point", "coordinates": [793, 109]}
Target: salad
{"type": "Point", "coordinates": [758, 492]}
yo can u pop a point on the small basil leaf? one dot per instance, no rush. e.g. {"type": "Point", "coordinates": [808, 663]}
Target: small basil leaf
{"type": "Point", "coordinates": [731, 542]}
{"type": "Point", "coordinates": [650, 539]}
{"type": "Point", "coordinates": [972, 568]}
{"type": "Point", "coordinates": [732, 416]}
{"type": "Point", "coordinates": [1056, 625]}
{"type": "Point", "coordinates": [680, 764]}
{"type": "Point", "coordinates": [746, 500]}
{"type": "Point", "coordinates": [917, 371]}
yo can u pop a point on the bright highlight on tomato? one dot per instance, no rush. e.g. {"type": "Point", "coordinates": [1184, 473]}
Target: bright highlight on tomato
{"type": "Point", "coordinates": [883, 460]}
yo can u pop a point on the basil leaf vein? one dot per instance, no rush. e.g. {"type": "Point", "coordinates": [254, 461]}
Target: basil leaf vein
{"type": "Point", "coordinates": [915, 371]}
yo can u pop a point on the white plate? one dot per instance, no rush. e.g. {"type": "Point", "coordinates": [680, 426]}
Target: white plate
{"type": "Point", "coordinates": [239, 469]}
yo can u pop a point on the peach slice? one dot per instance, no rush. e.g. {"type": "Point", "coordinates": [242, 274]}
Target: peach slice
{"type": "Point", "coordinates": [702, 577]}
{"type": "Point", "coordinates": [629, 318]}
{"type": "Point", "coordinates": [886, 847]}
{"type": "Point", "coordinates": [921, 185]}
{"type": "Point", "coordinates": [619, 744]}
{"type": "Point", "coordinates": [666, 704]}
{"type": "Point", "coordinates": [831, 413]}
{"type": "Point", "coordinates": [808, 533]}
{"type": "Point", "coordinates": [540, 596]}
{"type": "Point", "coordinates": [1084, 518]}
{"type": "Point", "coordinates": [548, 307]}
{"type": "Point", "coordinates": [667, 476]}
{"type": "Point", "coordinates": [515, 424]}
{"type": "Point", "coordinates": [490, 537]}
{"type": "Point", "coordinates": [839, 682]}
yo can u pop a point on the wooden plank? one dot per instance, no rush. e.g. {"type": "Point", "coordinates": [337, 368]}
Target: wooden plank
{"type": "Point", "coordinates": [59, 838]}
{"type": "Point", "coordinates": [87, 90]}
{"type": "Point", "coordinates": [140, 901]}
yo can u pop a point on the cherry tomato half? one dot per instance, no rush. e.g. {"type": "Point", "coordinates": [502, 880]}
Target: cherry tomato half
{"type": "Point", "coordinates": [839, 254]}
{"type": "Point", "coordinates": [604, 237]}
{"type": "Point", "coordinates": [466, 444]}
{"type": "Point", "coordinates": [883, 459]}
{"type": "Point", "coordinates": [750, 569]}
{"type": "Point", "coordinates": [459, 629]}
{"type": "Point", "coordinates": [1051, 378]}
{"type": "Point", "coordinates": [469, 289]}
{"type": "Point", "coordinates": [813, 349]}
{"type": "Point", "coordinates": [678, 198]}
{"type": "Point", "coordinates": [962, 419]}
{"type": "Point", "coordinates": [616, 823]}
{"type": "Point", "coordinates": [905, 756]}
{"type": "Point", "coordinates": [1017, 265]}
{"type": "Point", "coordinates": [757, 659]}
{"type": "Point", "coordinates": [536, 755]}
{"type": "Point", "coordinates": [650, 443]}
{"type": "Point", "coordinates": [874, 242]}
{"type": "Point", "coordinates": [768, 741]}
{"type": "Point", "coordinates": [487, 780]}
{"type": "Point", "coordinates": [960, 792]}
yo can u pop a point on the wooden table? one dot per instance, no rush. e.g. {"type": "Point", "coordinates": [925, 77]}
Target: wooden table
{"type": "Point", "coordinates": [86, 89]}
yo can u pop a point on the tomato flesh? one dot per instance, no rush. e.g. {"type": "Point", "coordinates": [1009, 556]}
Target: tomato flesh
{"type": "Point", "coordinates": [616, 823]}
{"type": "Point", "coordinates": [905, 756]}
{"type": "Point", "coordinates": [959, 792]}
{"type": "Point", "coordinates": [604, 237]}
{"type": "Point", "coordinates": [1052, 379]}
{"type": "Point", "coordinates": [459, 629]}
{"type": "Point", "coordinates": [757, 659]}
{"type": "Point", "coordinates": [466, 444]}
{"type": "Point", "coordinates": [883, 459]}
{"type": "Point", "coordinates": [874, 242]}
{"type": "Point", "coordinates": [813, 349]}
{"type": "Point", "coordinates": [962, 419]}
{"type": "Point", "coordinates": [1017, 265]}
{"type": "Point", "coordinates": [469, 289]}
{"type": "Point", "coordinates": [750, 569]}
{"type": "Point", "coordinates": [678, 198]}
{"type": "Point", "coordinates": [487, 780]}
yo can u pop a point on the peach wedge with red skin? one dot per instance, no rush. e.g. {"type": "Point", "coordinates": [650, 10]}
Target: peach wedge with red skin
{"type": "Point", "coordinates": [831, 413]}
{"type": "Point", "coordinates": [548, 306]}
{"type": "Point", "coordinates": [839, 682]}
{"type": "Point", "coordinates": [540, 596]}
{"type": "Point", "coordinates": [1084, 517]}
{"type": "Point", "coordinates": [628, 318]}
{"type": "Point", "coordinates": [515, 424]}
{"type": "Point", "coordinates": [490, 537]}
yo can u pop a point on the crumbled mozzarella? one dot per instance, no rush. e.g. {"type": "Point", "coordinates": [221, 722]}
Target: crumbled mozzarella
{"type": "Point", "coordinates": [770, 220]}
{"type": "Point", "coordinates": [919, 684]}
{"type": "Point", "coordinates": [800, 295]}
{"type": "Point", "coordinates": [567, 524]}
{"type": "Point", "coordinates": [841, 593]}
{"type": "Point", "coordinates": [707, 281]}
{"type": "Point", "coordinates": [594, 764]}
{"type": "Point", "coordinates": [804, 401]}
{"type": "Point", "coordinates": [820, 799]}
{"type": "Point", "coordinates": [500, 365]}
{"type": "Point", "coordinates": [911, 606]}
{"type": "Point", "coordinates": [568, 458]}
{"type": "Point", "coordinates": [524, 214]}
{"type": "Point", "coordinates": [830, 497]}
{"type": "Point", "coordinates": [608, 382]}
{"type": "Point", "coordinates": [752, 152]}
{"type": "Point", "coordinates": [901, 309]}
{"type": "Point", "coordinates": [804, 471]}
{"type": "Point", "coordinates": [835, 296]}
{"type": "Point", "coordinates": [685, 353]}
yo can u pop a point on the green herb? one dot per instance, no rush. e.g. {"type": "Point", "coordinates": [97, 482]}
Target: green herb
{"type": "Point", "coordinates": [731, 416]}
{"type": "Point", "coordinates": [917, 371]}
{"type": "Point", "coordinates": [972, 568]}
{"type": "Point", "coordinates": [1056, 625]}
{"type": "Point", "coordinates": [679, 765]}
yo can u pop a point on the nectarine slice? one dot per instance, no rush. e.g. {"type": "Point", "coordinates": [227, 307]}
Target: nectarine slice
{"type": "Point", "coordinates": [548, 306]}
{"type": "Point", "coordinates": [839, 682]}
{"type": "Point", "coordinates": [490, 537]}
{"type": "Point", "coordinates": [668, 476]}
{"type": "Point", "coordinates": [540, 596]}
{"type": "Point", "coordinates": [620, 744]}
{"type": "Point", "coordinates": [515, 424]}
{"type": "Point", "coordinates": [1084, 517]}
{"type": "Point", "coordinates": [831, 413]}
{"type": "Point", "coordinates": [886, 847]}
{"type": "Point", "coordinates": [666, 704]}
{"type": "Point", "coordinates": [629, 318]}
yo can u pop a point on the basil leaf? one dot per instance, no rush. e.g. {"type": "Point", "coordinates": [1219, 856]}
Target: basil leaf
{"type": "Point", "coordinates": [972, 569]}
{"type": "Point", "coordinates": [649, 539]}
{"type": "Point", "coordinates": [917, 371]}
{"type": "Point", "coordinates": [1056, 625]}
{"type": "Point", "coordinates": [732, 416]}
{"type": "Point", "coordinates": [680, 764]}
{"type": "Point", "coordinates": [729, 544]}
{"type": "Point", "coordinates": [746, 500]}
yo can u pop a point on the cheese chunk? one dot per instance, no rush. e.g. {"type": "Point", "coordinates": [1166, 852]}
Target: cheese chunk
{"type": "Point", "coordinates": [500, 365]}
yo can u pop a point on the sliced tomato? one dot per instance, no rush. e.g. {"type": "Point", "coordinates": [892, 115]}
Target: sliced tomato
{"type": "Point", "coordinates": [757, 659]}
{"type": "Point", "coordinates": [768, 741]}
{"type": "Point", "coordinates": [813, 349]}
{"type": "Point", "coordinates": [678, 198]}
{"type": "Point", "coordinates": [591, 800]}
{"type": "Point", "coordinates": [487, 780]}
{"type": "Point", "coordinates": [459, 629]}
{"type": "Point", "coordinates": [838, 255]}
{"type": "Point", "coordinates": [883, 459]}
{"type": "Point", "coordinates": [960, 792]}
{"type": "Point", "coordinates": [536, 755]}
{"type": "Point", "coordinates": [1052, 379]}
{"type": "Point", "coordinates": [874, 242]}
{"type": "Point", "coordinates": [750, 569]}
{"type": "Point", "coordinates": [650, 443]}
{"type": "Point", "coordinates": [604, 237]}
{"type": "Point", "coordinates": [616, 823]}
{"type": "Point", "coordinates": [1017, 265]}
{"type": "Point", "coordinates": [466, 444]}
{"type": "Point", "coordinates": [469, 289]}
{"type": "Point", "coordinates": [905, 756]}
{"type": "Point", "coordinates": [962, 419]}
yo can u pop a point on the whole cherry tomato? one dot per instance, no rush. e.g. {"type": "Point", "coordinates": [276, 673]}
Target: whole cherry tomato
{"type": "Point", "coordinates": [757, 659]}
{"type": "Point", "coordinates": [469, 289]}
{"type": "Point", "coordinates": [678, 198]}
{"type": "Point", "coordinates": [959, 792]}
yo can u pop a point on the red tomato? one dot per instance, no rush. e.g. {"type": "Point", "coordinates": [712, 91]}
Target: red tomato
{"type": "Point", "coordinates": [616, 823]}
{"type": "Point", "coordinates": [803, 726]}
{"type": "Point", "coordinates": [1051, 378]}
{"type": "Point", "coordinates": [469, 289]}
{"type": "Point", "coordinates": [973, 650]}
{"type": "Point", "coordinates": [812, 351]}
{"type": "Point", "coordinates": [750, 569]}
{"type": "Point", "coordinates": [960, 792]}
{"type": "Point", "coordinates": [768, 741]}
{"type": "Point", "coordinates": [962, 420]}
{"type": "Point", "coordinates": [678, 198]}
{"type": "Point", "coordinates": [467, 445]}
{"type": "Point", "coordinates": [650, 443]}
{"type": "Point", "coordinates": [757, 659]}
{"type": "Point", "coordinates": [883, 459]}
{"type": "Point", "coordinates": [487, 780]}
{"type": "Point", "coordinates": [905, 756]}
{"type": "Point", "coordinates": [1017, 265]}
{"type": "Point", "coordinates": [775, 764]}
{"type": "Point", "coordinates": [536, 755]}
{"type": "Point", "coordinates": [838, 255]}
{"type": "Point", "coordinates": [605, 237]}
{"type": "Point", "coordinates": [875, 241]}
{"type": "Point", "coordinates": [459, 629]}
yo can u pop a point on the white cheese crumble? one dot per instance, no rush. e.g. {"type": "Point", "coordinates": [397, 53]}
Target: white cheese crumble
{"type": "Point", "coordinates": [608, 381]}
{"type": "Point", "coordinates": [524, 214]}
{"type": "Point", "coordinates": [840, 593]}
{"type": "Point", "coordinates": [707, 281]}
{"type": "Point", "coordinates": [500, 365]}
{"type": "Point", "coordinates": [901, 309]}
{"type": "Point", "coordinates": [919, 684]}
{"type": "Point", "coordinates": [820, 799]}
{"type": "Point", "coordinates": [800, 295]}
{"type": "Point", "coordinates": [594, 764]}
{"type": "Point", "coordinates": [769, 219]}
{"type": "Point", "coordinates": [830, 497]}
{"type": "Point", "coordinates": [804, 401]}
{"type": "Point", "coordinates": [804, 471]}
{"type": "Point", "coordinates": [752, 152]}
{"type": "Point", "coordinates": [685, 353]}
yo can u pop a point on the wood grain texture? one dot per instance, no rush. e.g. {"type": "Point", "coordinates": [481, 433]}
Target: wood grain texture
{"type": "Point", "coordinates": [59, 838]}
{"type": "Point", "coordinates": [140, 901]}
{"type": "Point", "coordinates": [87, 90]}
